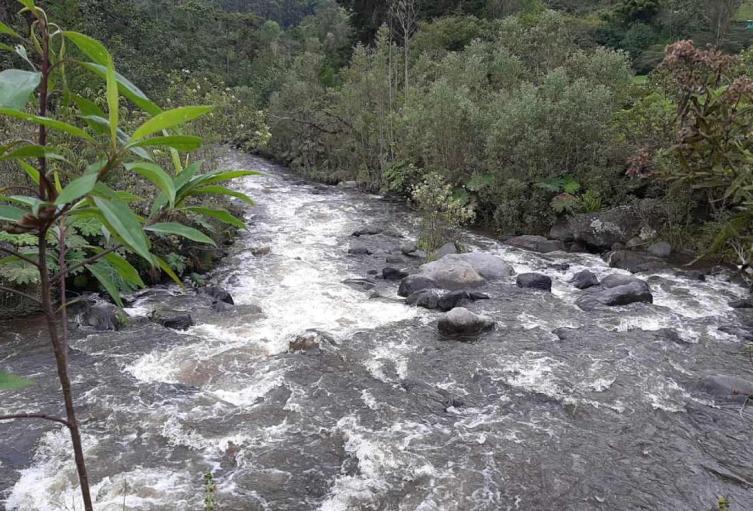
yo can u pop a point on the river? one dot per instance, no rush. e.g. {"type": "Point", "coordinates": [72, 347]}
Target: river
{"type": "Point", "coordinates": [556, 409]}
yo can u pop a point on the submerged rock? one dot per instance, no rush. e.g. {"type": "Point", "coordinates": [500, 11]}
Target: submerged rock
{"type": "Point", "coordinates": [311, 340]}
{"type": "Point", "coordinates": [728, 388]}
{"type": "Point", "coordinates": [534, 281]}
{"type": "Point", "coordinates": [584, 280]}
{"type": "Point", "coordinates": [462, 322]}
{"type": "Point", "coordinates": [745, 303]}
{"type": "Point", "coordinates": [360, 284]}
{"type": "Point", "coordinates": [536, 244]}
{"type": "Point", "coordinates": [426, 298]}
{"type": "Point", "coordinates": [359, 251]}
{"type": "Point", "coordinates": [413, 283]}
{"type": "Point", "coordinates": [174, 320]}
{"type": "Point", "coordinates": [369, 230]}
{"type": "Point", "coordinates": [390, 273]}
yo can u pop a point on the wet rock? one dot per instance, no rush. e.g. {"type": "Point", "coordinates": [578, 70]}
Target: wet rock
{"type": "Point", "coordinates": [413, 283]}
{"type": "Point", "coordinates": [426, 298]}
{"type": "Point", "coordinates": [308, 341]}
{"type": "Point", "coordinates": [561, 231]}
{"type": "Point", "coordinates": [584, 279]}
{"type": "Point", "coordinates": [534, 281]}
{"type": "Point", "coordinates": [359, 251]}
{"type": "Point", "coordinates": [603, 229]}
{"type": "Point", "coordinates": [446, 249]}
{"type": "Point", "coordinates": [635, 262]}
{"type": "Point", "coordinates": [261, 251]}
{"type": "Point", "coordinates": [660, 249]}
{"type": "Point", "coordinates": [372, 272]}
{"type": "Point", "coordinates": [390, 273]}
{"type": "Point", "coordinates": [394, 259]}
{"type": "Point", "coordinates": [741, 332]}
{"type": "Point", "coordinates": [219, 294]}
{"type": "Point", "coordinates": [174, 320]}
{"type": "Point", "coordinates": [102, 316]}
{"type": "Point", "coordinates": [369, 230]}
{"type": "Point", "coordinates": [452, 274]}
{"type": "Point", "coordinates": [408, 248]}
{"type": "Point", "coordinates": [560, 266]}
{"type": "Point", "coordinates": [488, 266]}
{"type": "Point", "coordinates": [698, 275]}
{"type": "Point", "coordinates": [618, 246]}
{"type": "Point", "coordinates": [745, 303]}
{"type": "Point", "coordinates": [462, 322]}
{"type": "Point", "coordinates": [671, 335]}
{"type": "Point", "coordinates": [536, 244]}
{"type": "Point", "coordinates": [617, 279]}
{"type": "Point", "coordinates": [625, 294]}
{"type": "Point", "coordinates": [728, 388]}
{"type": "Point", "coordinates": [348, 185]}
{"type": "Point", "coordinates": [635, 242]}
{"type": "Point", "coordinates": [360, 284]}
{"type": "Point", "coordinates": [577, 247]}
{"type": "Point", "coordinates": [450, 300]}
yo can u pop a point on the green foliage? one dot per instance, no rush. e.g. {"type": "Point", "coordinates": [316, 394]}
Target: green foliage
{"type": "Point", "coordinates": [441, 213]}
{"type": "Point", "coordinates": [210, 491]}
{"type": "Point", "coordinates": [12, 382]}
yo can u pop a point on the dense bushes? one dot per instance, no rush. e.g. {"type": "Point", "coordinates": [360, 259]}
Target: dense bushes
{"type": "Point", "coordinates": [520, 105]}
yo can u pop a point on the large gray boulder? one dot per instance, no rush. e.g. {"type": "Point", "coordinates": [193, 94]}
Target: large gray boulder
{"type": "Point", "coordinates": [632, 292]}
{"type": "Point", "coordinates": [451, 273]}
{"type": "Point", "coordinates": [534, 281]}
{"type": "Point", "coordinates": [536, 244]}
{"type": "Point", "coordinates": [102, 316]}
{"type": "Point", "coordinates": [603, 229]}
{"type": "Point", "coordinates": [413, 283]}
{"type": "Point", "coordinates": [463, 323]}
{"type": "Point", "coordinates": [446, 249]}
{"type": "Point", "coordinates": [584, 279]}
{"type": "Point", "coordinates": [636, 262]}
{"type": "Point", "coordinates": [488, 266]}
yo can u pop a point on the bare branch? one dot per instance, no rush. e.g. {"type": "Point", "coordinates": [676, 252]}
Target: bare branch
{"type": "Point", "coordinates": [20, 293]}
{"type": "Point", "coordinates": [35, 416]}
{"type": "Point", "coordinates": [77, 266]}
{"type": "Point", "coordinates": [19, 255]}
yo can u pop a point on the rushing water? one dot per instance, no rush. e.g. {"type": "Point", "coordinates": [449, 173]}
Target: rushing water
{"type": "Point", "coordinates": [557, 409]}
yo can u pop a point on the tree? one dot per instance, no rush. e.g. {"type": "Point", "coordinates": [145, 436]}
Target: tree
{"type": "Point", "coordinates": [404, 17]}
{"type": "Point", "coordinates": [64, 195]}
{"type": "Point", "coordinates": [719, 15]}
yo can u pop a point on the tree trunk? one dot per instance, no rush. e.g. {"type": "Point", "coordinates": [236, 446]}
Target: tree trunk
{"type": "Point", "coordinates": [60, 348]}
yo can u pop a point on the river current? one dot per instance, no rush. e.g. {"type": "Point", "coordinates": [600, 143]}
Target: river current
{"type": "Point", "coordinates": [556, 409]}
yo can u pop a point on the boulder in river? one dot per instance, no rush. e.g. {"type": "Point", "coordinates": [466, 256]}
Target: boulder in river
{"type": "Point", "coordinates": [536, 244]}
{"type": "Point", "coordinates": [175, 320]}
{"type": "Point", "coordinates": [462, 322]}
{"type": "Point", "coordinates": [369, 230]}
{"type": "Point", "coordinates": [443, 301]}
{"type": "Point", "coordinates": [450, 273]}
{"type": "Point", "coordinates": [446, 249]}
{"type": "Point", "coordinates": [603, 229]}
{"type": "Point", "coordinates": [745, 303]}
{"type": "Point", "coordinates": [408, 248]}
{"type": "Point", "coordinates": [728, 388]}
{"type": "Point", "coordinates": [584, 279]}
{"type": "Point", "coordinates": [534, 281]}
{"type": "Point", "coordinates": [561, 231]}
{"type": "Point", "coordinates": [486, 266]}
{"type": "Point", "coordinates": [426, 298]}
{"type": "Point", "coordinates": [359, 251]}
{"type": "Point", "coordinates": [636, 262]}
{"type": "Point", "coordinates": [102, 316]}
{"type": "Point", "coordinates": [391, 273]}
{"type": "Point", "coordinates": [360, 284]}
{"type": "Point", "coordinates": [394, 259]}
{"type": "Point", "coordinates": [311, 340]}
{"type": "Point", "coordinates": [632, 291]}
{"type": "Point", "coordinates": [413, 283]}
{"type": "Point", "coordinates": [219, 294]}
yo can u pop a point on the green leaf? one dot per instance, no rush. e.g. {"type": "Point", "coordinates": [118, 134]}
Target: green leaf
{"type": "Point", "coordinates": [88, 107]}
{"type": "Point", "coordinates": [170, 119]}
{"type": "Point", "coordinates": [222, 215]}
{"type": "Point", "coordinates": [221, 176]}
{"type": "Point", "coordinates": [5, 29]}
{"type": "Point", "coordinates": [31, 151]}
{"type": "Point", "coordinates": [156, 175]}
{"type": "Point", "coordinates": [16, 87]}
{"type": "Point", "coordinates": [50, 123]}
{"type": "Point", "coordinates": [181, 230]}
{"type": "Point", "coordinates": [11, 213]}
{"type": "Point", "coordinates": [77, 189]}
{"type": "Point", "coordinates": [221, 190]}
{"type": "Point", "coordinates": [184, 143]}
{"type": "Point", "coordinates": [108, 284]}
{"type": "Point", "coordinates": [30, 171]}
{"type": "Point", "coordinates": [126, 88]}
{"type": "Point", "coordinates": [126, 271]}
{"type": "Point", "coordinates": [125, 224]}
{"type": "Point", "coordinates": [12, 382]}
{"type": "Point", "coordinates": [113, 99]}
{"type": "Point", "coordinates": [90, 47]}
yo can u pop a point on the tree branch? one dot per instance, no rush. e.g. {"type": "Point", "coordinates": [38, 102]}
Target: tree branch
{"type": "Point", "coordinates": [20, 293]}
{"type": "Point", "coordinates": [77, 266]}
{"type": "Point", "coordinates": [35, 416]}
{"type": "Point", "coordinates": [19, 255]}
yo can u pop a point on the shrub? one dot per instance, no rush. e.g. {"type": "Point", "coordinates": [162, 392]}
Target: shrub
{"type": "Point", "coordinates": [441, 213]}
